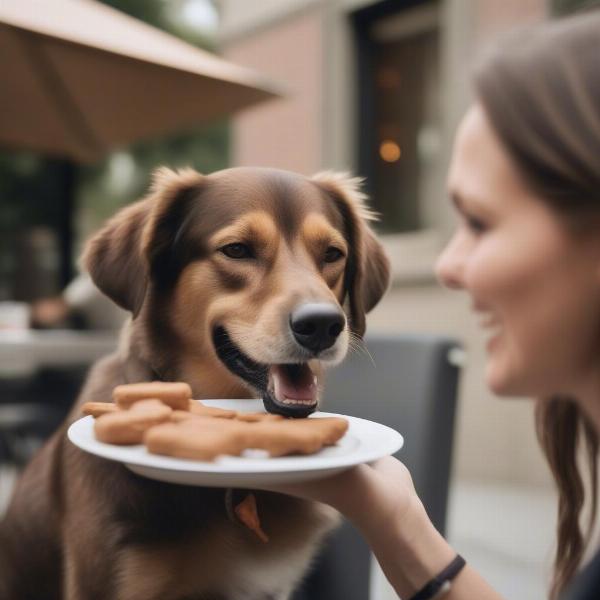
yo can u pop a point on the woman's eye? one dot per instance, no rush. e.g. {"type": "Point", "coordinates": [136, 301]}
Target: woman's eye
{"type": "Point", "coordinates": [333, 254]}
{"type": "Point", "coordinates": [477, 226]}
{"type": "Point", "coordinates": [237, 251]}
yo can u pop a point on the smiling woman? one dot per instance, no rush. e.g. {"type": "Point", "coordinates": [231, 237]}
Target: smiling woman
{"type": "Point", "coordinates": [533, 274]}
{"type": "Point", "coordinates": [550, 126]}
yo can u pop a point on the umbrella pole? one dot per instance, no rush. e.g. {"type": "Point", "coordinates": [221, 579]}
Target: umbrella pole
{"type": "Point", "coordinates": [68, 177]}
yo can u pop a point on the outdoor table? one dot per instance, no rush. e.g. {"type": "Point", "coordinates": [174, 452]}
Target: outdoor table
{"type": "Point", "coordinates": [24, 352]}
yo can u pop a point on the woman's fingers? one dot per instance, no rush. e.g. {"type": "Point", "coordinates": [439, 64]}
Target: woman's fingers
{"type": "Point", "coordinates": [386, 481]}
{"type": "Point", "coordinates": [390, 467]}
{"type": "Point", "coordinates": [319, 489]}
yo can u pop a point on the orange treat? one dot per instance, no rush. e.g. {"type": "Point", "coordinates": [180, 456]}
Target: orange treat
{"type": "Point", "coordinates": [173, 394]}
{"type": "Point", "coordinates": [97, 409]}
{"type": "Point", "coordinates": [127, 427]}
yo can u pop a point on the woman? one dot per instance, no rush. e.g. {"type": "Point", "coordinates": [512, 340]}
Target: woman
{"type": "Point", "coordinates": [525, 181]}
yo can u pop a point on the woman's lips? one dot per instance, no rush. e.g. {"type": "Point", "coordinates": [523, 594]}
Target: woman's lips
{"type": "Point", "coordinates": [489, 321]}
{"type": "Point", "coordinates": [494, 333]}
{"type": "Point", "coordinates": [492, 342]}
{"type": "Point", "coordinates": [493, 327]}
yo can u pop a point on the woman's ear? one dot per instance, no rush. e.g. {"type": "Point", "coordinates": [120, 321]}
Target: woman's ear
{"type": "Point", "coordinates": [119, 257]}
{"type": "Point", "coordinates": [368, 269]}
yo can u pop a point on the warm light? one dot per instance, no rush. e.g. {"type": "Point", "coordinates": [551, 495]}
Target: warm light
{"type": "Point", "coordinates": [389, 151]}
{"type": "Point", "coordinates": [388, 78]}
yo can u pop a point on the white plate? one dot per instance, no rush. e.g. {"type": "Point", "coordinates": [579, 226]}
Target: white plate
{"type": "Point", "coordinates": [365, 441]}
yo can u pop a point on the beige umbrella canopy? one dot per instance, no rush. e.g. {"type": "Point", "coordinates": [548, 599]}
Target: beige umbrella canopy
{"type": "Point", "coordinates": [79, 78]}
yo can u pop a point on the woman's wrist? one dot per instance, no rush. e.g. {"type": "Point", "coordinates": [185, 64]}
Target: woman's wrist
{"type": "Point", "coordinates": [407, 545]}
{"type": "Point", "coordinates": [370, 501]}
{"type": "Point", "coordinates": [416, 548]}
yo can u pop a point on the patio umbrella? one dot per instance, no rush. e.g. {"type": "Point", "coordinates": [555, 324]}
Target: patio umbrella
{"type": "Point", "coordinates": [80, 78]}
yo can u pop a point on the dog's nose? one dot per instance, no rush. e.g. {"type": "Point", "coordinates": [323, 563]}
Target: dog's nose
{"type": "Point", "coordinates": [316, 325]}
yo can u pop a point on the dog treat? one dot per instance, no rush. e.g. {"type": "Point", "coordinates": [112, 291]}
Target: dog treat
{"type": "Point", "coordinates": [201, 410]}
{"type": "Point", "coordinates": [331, 429]}
{"type": "Point", "coordinates": [205, 438]}
{"type": "Point", "coordinates": [258, 417]}
{"type": "Point", "coordinates": [174, 394]}
{"type": "Point", "coordinates": [126, 427]}
{"type": "Point", "coordinates": [165, 417]}
{"type": "Point", "coordinates": [180, 415]}
{"type": "Point", "coordinates": [202, 438]}
{"type": "Point", "coordinates": [197, 408]}
{"type": "Point", "coordinates": [296, 436]}
{"type": "Point", "coordinates": [185, 415]}
{"type": "Point", "coordinates": [96, 409]}
{"type": "Point", "coordinates": [247, 513]}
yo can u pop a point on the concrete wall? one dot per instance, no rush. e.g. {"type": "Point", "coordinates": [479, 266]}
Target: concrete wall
{"type": "Point", "coordinates": [283, 133]}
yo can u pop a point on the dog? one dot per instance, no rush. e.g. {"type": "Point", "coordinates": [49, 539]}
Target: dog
{"type": "Point", "coordinates": [242, 283]}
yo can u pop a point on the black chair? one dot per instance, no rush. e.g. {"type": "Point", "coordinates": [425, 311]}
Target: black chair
{"type": "Point", "coordinates": [31, 408]}
{"type": "Point", "coordinates": [410, 384]}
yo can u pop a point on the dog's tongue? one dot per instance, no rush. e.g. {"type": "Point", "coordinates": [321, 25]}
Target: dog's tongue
{"type": "Point", "coordinates": [294, 383]}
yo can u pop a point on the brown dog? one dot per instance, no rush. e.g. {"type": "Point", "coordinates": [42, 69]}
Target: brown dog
{"type": "Point", "coordinates": [240, 283]}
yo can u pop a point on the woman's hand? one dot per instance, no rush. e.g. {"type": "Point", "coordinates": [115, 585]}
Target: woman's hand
{"type": "Point", "coordinates": [365, 494]}
{"type": "Point", "coordinates": [380, 500]}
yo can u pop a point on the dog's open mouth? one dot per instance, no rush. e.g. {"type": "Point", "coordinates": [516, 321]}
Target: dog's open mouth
{"type": "Point", "coordinates": [287, 389]}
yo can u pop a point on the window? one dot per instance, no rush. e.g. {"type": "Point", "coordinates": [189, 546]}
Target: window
{"type": "Point", "coordinates": [400, 113]}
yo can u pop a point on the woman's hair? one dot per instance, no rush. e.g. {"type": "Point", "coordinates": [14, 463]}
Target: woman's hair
{"type": "Point", "coordinates": [540, 90]}
{"type": "Point", "coordinates": [560, 427]}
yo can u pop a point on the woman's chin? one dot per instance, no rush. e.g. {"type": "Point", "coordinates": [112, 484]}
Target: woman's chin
{"type": "Point", "coordinates": [502, 383]}
{"type": "Point", "coordinates": [498, 382]}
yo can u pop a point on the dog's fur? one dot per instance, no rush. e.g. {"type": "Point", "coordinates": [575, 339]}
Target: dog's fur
{"type": "Point", "coordinates": [80, 527]}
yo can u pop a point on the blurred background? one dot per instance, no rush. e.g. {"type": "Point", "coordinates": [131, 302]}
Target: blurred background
{"type": "Point", "coordinates": [372, 87]}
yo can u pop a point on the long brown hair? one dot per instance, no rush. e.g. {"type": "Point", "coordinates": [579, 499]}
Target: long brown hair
{"type": "Point", "coordinates": [541, 92]}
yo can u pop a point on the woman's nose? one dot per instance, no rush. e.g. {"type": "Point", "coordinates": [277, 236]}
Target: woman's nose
{"type": "Point", "coordinates": [449, 267]}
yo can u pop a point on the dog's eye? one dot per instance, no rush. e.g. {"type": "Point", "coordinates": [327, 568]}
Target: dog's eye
{"type": "Point", "coordinates": [333, 254]}
{"type": "Point", "coordinates": [237, 251]}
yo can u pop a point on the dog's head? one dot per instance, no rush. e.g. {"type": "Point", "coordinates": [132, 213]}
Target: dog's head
{"type": "Point", "coordinates": [250, 275]}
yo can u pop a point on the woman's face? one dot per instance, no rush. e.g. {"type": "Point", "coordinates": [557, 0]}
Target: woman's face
{"type": "Point", "coordinates": [534, 284]}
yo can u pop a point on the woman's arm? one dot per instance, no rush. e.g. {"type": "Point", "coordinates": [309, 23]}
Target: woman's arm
{"type": "Point", "coordinates": [380, 500]}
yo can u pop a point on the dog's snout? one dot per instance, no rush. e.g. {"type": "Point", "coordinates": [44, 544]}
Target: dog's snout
{"type": "Point", "coordinates": [317, 325]}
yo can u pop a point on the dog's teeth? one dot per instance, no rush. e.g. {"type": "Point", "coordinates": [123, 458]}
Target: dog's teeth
{"type": "Point", "coordinates": [294, 385]}
{"type": "Point", "coordinates": [286, 400]}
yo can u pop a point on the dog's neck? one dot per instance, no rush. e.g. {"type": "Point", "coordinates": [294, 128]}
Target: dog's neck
{"type": "Point", "coordinates": [205, 373]}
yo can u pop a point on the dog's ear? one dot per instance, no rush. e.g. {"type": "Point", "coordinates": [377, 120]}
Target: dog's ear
{"type": "Point", "coordinates": [114, 260]}
{"type": "Point", "coordinates": [122, 255]}
{"type": "Point", "coordinates": [368, 269]}
{"type": "Point", "coordinates": [174, 193]}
